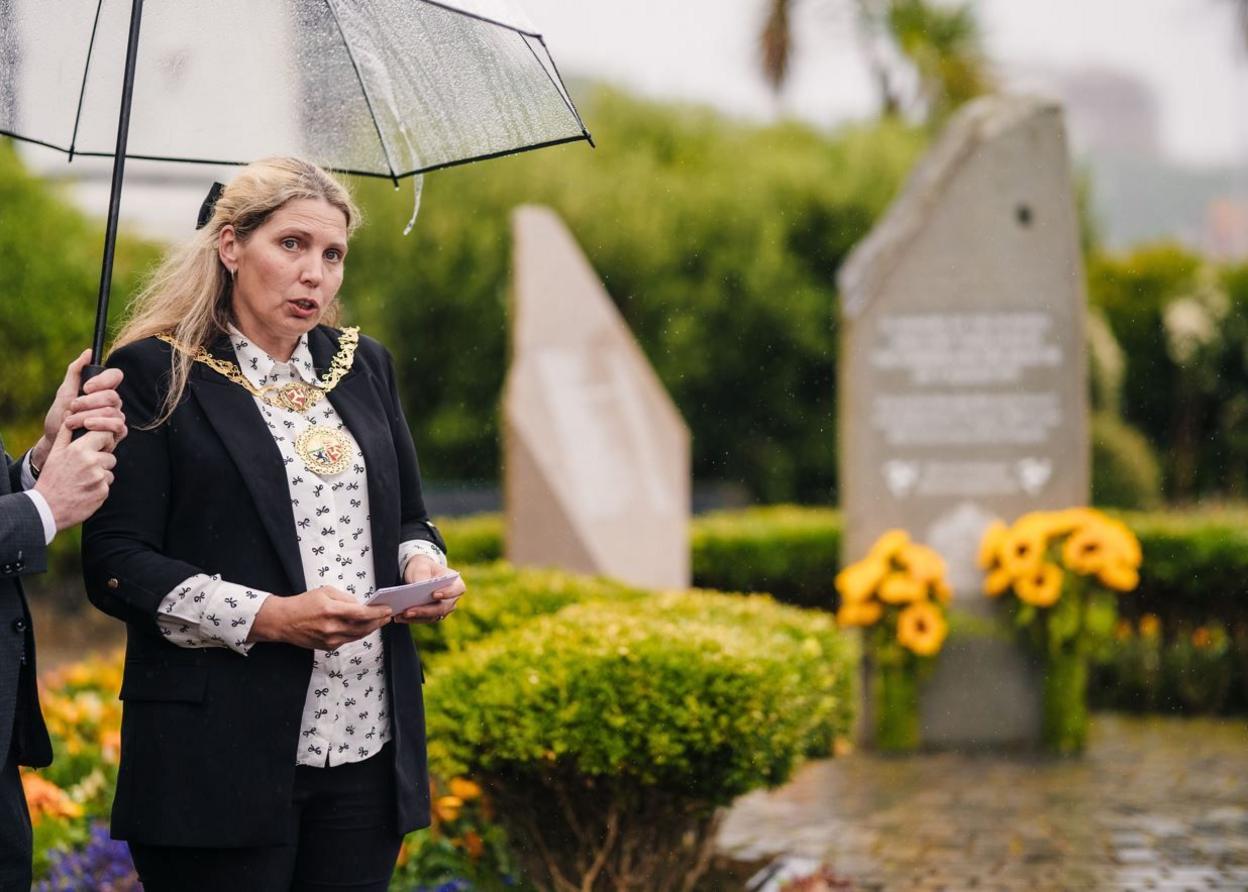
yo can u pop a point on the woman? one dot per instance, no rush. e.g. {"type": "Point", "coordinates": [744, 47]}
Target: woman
{"type": "Point", "coordinates": [273, 730]}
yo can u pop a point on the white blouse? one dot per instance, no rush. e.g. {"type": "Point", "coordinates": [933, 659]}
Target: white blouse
{"type": "Point", "coordinates": [345, 715]}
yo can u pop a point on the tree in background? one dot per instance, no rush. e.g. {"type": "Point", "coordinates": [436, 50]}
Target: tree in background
{"type": "Point", "coordinates": [926, 59]}
{"type": "Point", "coordinates": [50, 258]}
{"type": "Point", "coordinates": [718, 241]}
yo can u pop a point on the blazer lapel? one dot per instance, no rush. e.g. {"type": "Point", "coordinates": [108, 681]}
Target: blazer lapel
{"type": "Point", "coordinates": [357, 402]}
{"type": "Point", "coordinates": [232, 412]}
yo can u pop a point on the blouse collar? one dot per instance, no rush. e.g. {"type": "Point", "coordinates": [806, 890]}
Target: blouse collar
{"type": "Point", "coordinates": [260, 368]}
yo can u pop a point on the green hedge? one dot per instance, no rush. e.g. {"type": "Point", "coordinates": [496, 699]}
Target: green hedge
{"type": "Point", "coordinates": [1195, 563]}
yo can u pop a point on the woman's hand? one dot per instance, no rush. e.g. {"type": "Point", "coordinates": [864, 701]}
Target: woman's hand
{"type": "Point", "coordinates": [324, 618]}
{"type": "Point", "coordinates": [420, 567]}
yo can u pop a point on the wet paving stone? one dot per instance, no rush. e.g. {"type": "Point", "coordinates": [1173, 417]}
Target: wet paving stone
{"type": "Point", "coordinates": [1155, 804]}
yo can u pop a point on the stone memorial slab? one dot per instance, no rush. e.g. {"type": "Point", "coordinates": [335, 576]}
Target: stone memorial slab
{"type": "Point", "coordinates": [962, 393]}
{"type": "Point", "coordinates": [597, 465]}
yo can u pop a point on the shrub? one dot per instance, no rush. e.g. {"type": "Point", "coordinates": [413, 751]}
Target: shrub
{"type": "Point", "coordinates": [477, 539]}
{"type": "Point", "coordinates": [502, 598]}
{"type": "Point", "coordinates": [1125, 473]}
{"type": "Point", "coordinates": [726, 234]}
{"type": "Point", "coordinates": [608, 734]}
{"type": "Point", "coordinates": [792, 553]}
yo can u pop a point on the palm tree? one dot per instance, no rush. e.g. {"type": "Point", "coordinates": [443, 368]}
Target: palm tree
{"type": "Point", "coordinates": [940, 46]}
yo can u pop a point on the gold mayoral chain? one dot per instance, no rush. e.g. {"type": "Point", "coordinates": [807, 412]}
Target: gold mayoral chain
{"type": "Point", "coordinates": [324, 450]}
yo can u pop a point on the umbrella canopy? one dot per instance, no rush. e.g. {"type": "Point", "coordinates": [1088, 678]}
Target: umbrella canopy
{"type": "Point", "coordinates": [376, 87]}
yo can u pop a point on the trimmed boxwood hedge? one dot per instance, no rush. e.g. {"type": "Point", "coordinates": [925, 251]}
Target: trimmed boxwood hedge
{"type": "Point", "coordinates": [610, 730]}
{"type": "Point", "coordinates": [1195, 563]}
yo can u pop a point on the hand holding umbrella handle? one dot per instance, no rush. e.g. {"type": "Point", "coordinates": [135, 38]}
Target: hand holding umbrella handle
{"type": "Point", "coordinates": [88, 372]}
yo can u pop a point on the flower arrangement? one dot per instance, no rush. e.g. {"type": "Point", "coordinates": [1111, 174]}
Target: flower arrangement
{"type": "Point", "coordinates": [1063, 569]}
{"type": "Point", "coordinates": [898, 595]}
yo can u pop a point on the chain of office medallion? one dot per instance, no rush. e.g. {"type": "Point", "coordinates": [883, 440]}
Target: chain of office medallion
{"type": "Point", "coordinates": [338, 366]}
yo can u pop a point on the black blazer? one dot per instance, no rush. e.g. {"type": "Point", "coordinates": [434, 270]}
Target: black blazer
{"type": "Point", "coordinates": [209, 737]}
{"type": "Point", "coordinates": [22, 551]}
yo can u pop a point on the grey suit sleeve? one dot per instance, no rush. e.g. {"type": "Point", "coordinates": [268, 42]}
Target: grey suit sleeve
{"type": "Point", "coordinates": [14, 467]}
{"type": "Point", "coordinates": [22, 546]}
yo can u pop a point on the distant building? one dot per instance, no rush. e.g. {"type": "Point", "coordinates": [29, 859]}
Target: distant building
{"type": "Point", "coordinates": [1226, 229]}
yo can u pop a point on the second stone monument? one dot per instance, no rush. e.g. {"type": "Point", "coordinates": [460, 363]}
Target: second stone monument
{"type": "Point", "coordinates": [597, 465]}
{"type": "Point", "coordinates": [963, 392]}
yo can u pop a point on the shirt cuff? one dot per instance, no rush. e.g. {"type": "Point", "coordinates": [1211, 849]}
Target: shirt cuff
{"type": "Point", "coordinates": [28, 476]}
{"type": "Point", "coordinates": [44, 509]}
{"type": "Point", "coordinates": [413, 547]}
{"type": "Point", "coordinates": [207, 611]}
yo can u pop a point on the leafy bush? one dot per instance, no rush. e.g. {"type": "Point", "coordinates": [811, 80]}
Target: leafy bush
{"type": "Point", "coordinates": [50, 254]}
{"type": "Point", "coordinates": [1125, 473]}
{"type": "Point", "coordinates": [1191, 670]}
{"type": "Point", "coordinates": [1194, 561]}
{"type": "Point", "coordinates": [476, 539]}
{"type": "Point", "coordinates": [792, 553]}
{"type": "Point", "coordinates": [719, 242]}
{"type": "Point", "coordinates": [608, 733]}
{"type": "Point", "coordinates": [503, 598]}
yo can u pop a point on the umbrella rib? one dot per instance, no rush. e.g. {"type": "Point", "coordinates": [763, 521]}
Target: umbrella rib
{"type": "Point", "coordinates": [385, 150]}
{"type": "Point", "coordinates": [480, 18]}
{"type": "Point", "coordinates": [502, 153]}
{"type": "Point", "coordinates": [86, 70]}
{"type": "Point", "coordinates": [556, 81]}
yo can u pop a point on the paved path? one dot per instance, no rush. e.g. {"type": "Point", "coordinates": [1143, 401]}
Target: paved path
{"type": "Point", "coordinates": [1155, 804]}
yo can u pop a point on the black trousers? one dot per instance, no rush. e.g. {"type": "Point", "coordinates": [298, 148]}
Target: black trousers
{"type": "Point", "coordinates": [347, 841]}
{"type": "Point", "coordinates": [15, 841]}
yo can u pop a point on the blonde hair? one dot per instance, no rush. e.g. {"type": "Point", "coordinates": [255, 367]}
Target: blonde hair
{"type": "Point", "coordinates": [189, 296]}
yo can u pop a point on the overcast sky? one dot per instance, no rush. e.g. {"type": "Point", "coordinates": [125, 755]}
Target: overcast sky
{"type": "Point", "coordinates": [1188, 51]}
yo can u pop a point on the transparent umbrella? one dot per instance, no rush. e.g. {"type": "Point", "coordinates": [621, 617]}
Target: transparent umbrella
{"type": "Point", "coordinates": [387, 88]}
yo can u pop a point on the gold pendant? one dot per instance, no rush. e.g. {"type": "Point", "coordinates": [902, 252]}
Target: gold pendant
{"type": "Point", "coordinates": [297, 396]}
{"type": "Point", "coordinates": [326, 452]}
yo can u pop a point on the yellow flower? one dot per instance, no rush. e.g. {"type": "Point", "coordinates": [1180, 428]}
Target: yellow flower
{"type": "Point", "coordinates": [1119, 575]}
{"type": "Point", "coordinates": [1041, 586]}
{"type": "Point", "coordinates": [1086, 549]}
{"type": "Point", "coordinates": [1122, 543]}
{"type": "Point", "coordinates": [859, 613]}
{"type": "Point", "coordinates": [1025, 544]}
{"type": "Point", "coordinates": [922, 628]}
{"type": "Point", "coordinates": [857, 582]}
{"type": "Point", "coordinates": [996, 582]}
{"type": "Point", "coordinates": [464, 789]}
{"type": "Point", "coordinates": [942, 591]}
{"type": "Point", "coordinates": [447, 807]}
{"type": "Point", "coordinates": [1073, 519]}
{"type": "Point", "coordinates": [991, 544]}
{"type": "Point", "coordinates": [900, 588]}
{"type": "Point", "coordinates": [1202, 637]}
{"type": "Point", "coordinates": [887, 546]}
{"type": "Point", "coordinates": [924, 563]}
{"type": "Point", "coordinates": [1150, 625]}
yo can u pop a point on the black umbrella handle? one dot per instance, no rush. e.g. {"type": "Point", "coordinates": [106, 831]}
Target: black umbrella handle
{"type": "Point", "coordinates": [88, 372]}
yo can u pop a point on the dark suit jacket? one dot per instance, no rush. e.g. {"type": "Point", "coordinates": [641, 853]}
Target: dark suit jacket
{"type": "Point", "coordinates": [209, 737]}
{"type": "Point", "coordinates": [22, 551]}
